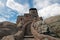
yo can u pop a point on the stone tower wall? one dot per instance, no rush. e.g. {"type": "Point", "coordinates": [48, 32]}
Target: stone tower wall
{"type": "Point", "coordinates": [28, 16]}
{"type": "Point", "coordinates": [20, 18]}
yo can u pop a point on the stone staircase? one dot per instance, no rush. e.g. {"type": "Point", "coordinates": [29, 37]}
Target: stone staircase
{"type": "Point", "coordinates": [27, 34]}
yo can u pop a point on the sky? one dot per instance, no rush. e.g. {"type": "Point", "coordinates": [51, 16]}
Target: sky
{"type": "Point", "coordinates": [10, 9]}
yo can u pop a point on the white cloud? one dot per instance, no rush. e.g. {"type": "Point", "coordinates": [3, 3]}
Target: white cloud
{"type": "Point", "coordinates": [16, 6]}
{"type": "Point", "coordinates": [7, 16]}
{"type": "Point", "coordinates": [47, 8]}
{"type": "Point", "coordinates": [49, 11]}
{"type": "Point", "coordinates": [2, 19]}
{"type": "Point", "coordinates": [41, 3]}
{"type": "Point", "coordinates": [1, 4]}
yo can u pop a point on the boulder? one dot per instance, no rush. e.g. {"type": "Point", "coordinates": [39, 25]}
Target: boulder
{"type": "Point", "coordinates": [54, 24]}
{"type": "Point", "coordinates": [43, 29]}
{"type": "Point", "coordinates": [40, 26]}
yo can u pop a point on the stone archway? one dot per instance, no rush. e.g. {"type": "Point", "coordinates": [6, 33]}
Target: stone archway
{"type": "Point", "coordinates": [28, 29]}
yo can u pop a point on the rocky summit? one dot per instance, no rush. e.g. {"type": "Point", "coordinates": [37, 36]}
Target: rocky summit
{"type": "Point", "coordinates": [31, 27]}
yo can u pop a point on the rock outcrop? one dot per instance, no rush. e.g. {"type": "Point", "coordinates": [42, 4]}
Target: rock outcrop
{"type": "Point", "coordinates": [54, 24]}
{"type": "Point", "coordinates": [7, 28]}
{"type": "Point", "coordinates": [40, 26]}
{"type": "Point", "coordinates": [49, 28]}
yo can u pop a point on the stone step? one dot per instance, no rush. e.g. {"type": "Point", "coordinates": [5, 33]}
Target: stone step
{"type": "Point", "coordinates": [28, 38]}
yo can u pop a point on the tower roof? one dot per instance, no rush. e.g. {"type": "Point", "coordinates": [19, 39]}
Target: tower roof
{"type": "Point", "coordinates": [32, 9]}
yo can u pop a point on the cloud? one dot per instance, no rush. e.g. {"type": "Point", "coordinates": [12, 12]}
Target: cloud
{"type": "Point", "coordinates": [2, 15]}
{"type": "Point", "coordinates": [49, 11]}
{"type": "Point", "coordinates": [2, 19]}
{"type": "Point", "coordinates": [1, 4]}
{"type": "Point", "coordinates": [47, 8]}
{"type": "Point", "coordinates": [8, 14]}
{"type": "Point", "coordinates": [39, 4]}
{"type": "Point", "coordinates": [9, 8]}
{"type": "Point", "coordinates": [16, 6]}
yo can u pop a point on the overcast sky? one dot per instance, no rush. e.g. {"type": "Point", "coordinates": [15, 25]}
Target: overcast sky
{"type": "Point", "coordinates": [10, 9]}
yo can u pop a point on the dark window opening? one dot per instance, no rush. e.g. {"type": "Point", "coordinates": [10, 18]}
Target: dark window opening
{"type": "Point", "coordinates": [21, 19]}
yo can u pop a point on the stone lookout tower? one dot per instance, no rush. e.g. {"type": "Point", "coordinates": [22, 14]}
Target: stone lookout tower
{"type": "Point", "coordinates": [28, 16]}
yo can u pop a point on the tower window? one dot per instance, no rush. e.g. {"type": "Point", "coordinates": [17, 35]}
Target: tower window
{"type": "Point", "coordinates": [21, 19]}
